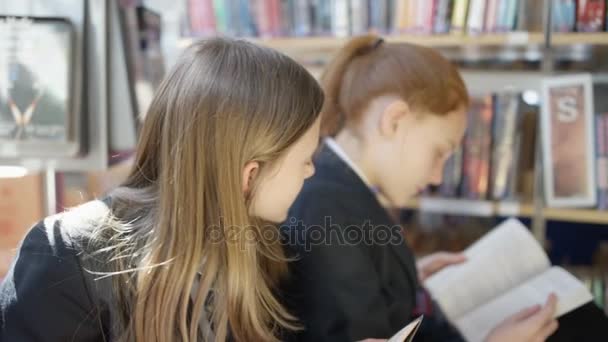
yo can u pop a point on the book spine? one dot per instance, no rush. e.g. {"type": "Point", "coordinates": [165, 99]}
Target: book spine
{"type": "Point", "coordinates": [378, 16]}
{"type": "Point", "coordinates": [602, 160]}
{"type": "Point", "coordinates": [491, 16]}
{"type": "Point", "coordinates": [358, 17]}
{"type": "Point", "coordinates": [504, 132]}
{"type": "Point", "coordinates": [262, 18]}
{"type": "Point", "coordinates": [501, 16]}
{"type": "Point", "coordinates": [475, 20]}
{"type": "Point", "coordinates": [302, 17]}
{"type": "Point", "coordinates": [202, 18]}
{"type": "Point", "coordinates": [287, 19]}
{"type": "Point", "coordinates": [400, 16]}
{"type": "Point", "coordinates": [443, 11]}
{"type": "Point", "coordinates": [459, 16]}
{"type": "Point", "coordinates": [275, 17]}
{"type": "Point", "coordinates": [221, 16]}
{"type": "Point", "coordinates": [485, 141]}
{"type": "Point", "coordinates": [564, 15]}
{"type": "Point", "coordinates": [591, 14]}
{"type": "Point", "coordinates": [340, 24]}
{"type": "Point", "coordinates": [471, 152]}
{"type": "Point", "coordinates": [511, 14]}
{"type": "Point", "coordinates": [322, 17]}
{"type": "Point", "coordinates": [412, 12]}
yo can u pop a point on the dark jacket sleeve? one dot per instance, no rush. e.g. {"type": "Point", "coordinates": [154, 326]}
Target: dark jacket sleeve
{"type": "Point", "coordinates": [44, 296]}
{"type": "Point", "coordinates": [335, 290]}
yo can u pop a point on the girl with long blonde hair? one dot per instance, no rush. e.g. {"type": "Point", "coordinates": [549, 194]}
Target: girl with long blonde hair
{"type": "Point", "coordinates": [186, 249]}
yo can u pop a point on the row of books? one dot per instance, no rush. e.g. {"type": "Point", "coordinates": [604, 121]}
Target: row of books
{"type": "Point", "coordinates": [496, 158]}
{"type": "Point", "coordinates": [579, 15]}
{"type": "Point", "coordinates": [273, 18]}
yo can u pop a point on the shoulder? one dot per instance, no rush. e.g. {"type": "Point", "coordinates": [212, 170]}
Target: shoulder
{"type": "Point", "coordinates": [46, 281]}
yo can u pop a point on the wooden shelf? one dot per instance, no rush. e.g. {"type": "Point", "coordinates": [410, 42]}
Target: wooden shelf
{"type": "Point", "coordinates": [580, 38]}
{"type": "Point", "coordinates": [438, 41]}
{"type": "Point", "coordinates": [577, 215]}
{"type": "Point", "coordinates": [481, 208]}
{"type": "Point", "coordinates": [505, 208]}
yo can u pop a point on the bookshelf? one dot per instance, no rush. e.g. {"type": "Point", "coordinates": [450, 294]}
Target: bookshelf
{"type": "Point", "coordinates": [514, 39]}
{"type": "Point", "coordinates": [477, 81]}
{"type": "Point", "coordinates": [510, 72]}
{"type": "Point", "coordinates": [483, 208]}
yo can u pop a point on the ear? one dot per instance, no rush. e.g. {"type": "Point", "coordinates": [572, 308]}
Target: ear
{"type": "Point", "coordinates": [392, 116]}
{"type": "Point", "coordinates": [250, 172]}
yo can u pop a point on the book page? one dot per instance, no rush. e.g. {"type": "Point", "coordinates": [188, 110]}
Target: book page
{"type": "Point", "coordinates": [407, 334]}
{"type": "Point", "coordinates": [499, 261]}
{"type": "Point", "coordinates": [571, 293]}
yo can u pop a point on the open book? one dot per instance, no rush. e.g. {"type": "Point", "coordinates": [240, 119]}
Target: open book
{"type": "Point", "coordinates": [407, 334]}
{"type": "Point", "coordinates": [506, 271]}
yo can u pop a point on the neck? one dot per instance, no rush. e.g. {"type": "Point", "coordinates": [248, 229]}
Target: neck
{"type": "Point", "coordinates": [354, 148]}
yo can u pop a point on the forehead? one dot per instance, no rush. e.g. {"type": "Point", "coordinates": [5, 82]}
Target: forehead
{"type": "Point", "coordinates": [449, 126]}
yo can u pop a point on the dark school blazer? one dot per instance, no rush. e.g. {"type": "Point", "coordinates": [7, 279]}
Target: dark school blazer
{"type": "Point", "coordinates": [356, 283]}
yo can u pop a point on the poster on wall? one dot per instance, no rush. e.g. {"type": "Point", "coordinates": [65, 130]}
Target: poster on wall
{"type": "Point", "coordinates": [567, 141]}
{"type": "Point", "coordinates": [36, 66]}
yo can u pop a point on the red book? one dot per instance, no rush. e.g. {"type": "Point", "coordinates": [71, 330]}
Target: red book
{"type": "Point", "coordinates": [274, 13]}
{"type": "Point", "coordinates": [202, 18]}
{"type": "Point", "coordinates": [591, 15]}
{"type": "Point", "coordinates": [262, 10]}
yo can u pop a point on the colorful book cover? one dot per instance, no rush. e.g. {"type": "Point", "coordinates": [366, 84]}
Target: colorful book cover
{"type": "Point", "coordinates": [476, 17]}
{"type": "Point", "coordinates": [202, 17]}
{"type": "Point", "coordinates": [442, 15]}
{"type": "Point", "coordinates": [505, 132]}
{"type": "Point", "coordinates": [591, 15]}
{"type": "Point", "coordinates": [459, 16]}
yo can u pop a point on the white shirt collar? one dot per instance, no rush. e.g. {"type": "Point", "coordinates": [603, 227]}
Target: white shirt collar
{"type": "Point", "coordinates": [333, 145]}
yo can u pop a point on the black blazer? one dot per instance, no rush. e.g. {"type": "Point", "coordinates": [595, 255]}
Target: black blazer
{"type": "Point", "coordinates": [352, 291]}
{"type": "Point", "coordinates": [47, 295]}
{"type": "Point", "coordinates": [347, 287]}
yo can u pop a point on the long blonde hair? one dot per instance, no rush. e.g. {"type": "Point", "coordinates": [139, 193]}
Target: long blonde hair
{"type": "Point", "coordinates": [226, 102]}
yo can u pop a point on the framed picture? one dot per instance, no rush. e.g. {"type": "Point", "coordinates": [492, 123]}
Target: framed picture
{"type": "Point", "coordinates": [36, 97]}
{"type": "Point", "coordinates": [568, 141]}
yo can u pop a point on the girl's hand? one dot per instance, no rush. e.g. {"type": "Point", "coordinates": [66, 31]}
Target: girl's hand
{"type": "Point", "coordinates": [433, 263]}
{"type": "Point", "coordinates": [534, 324]}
